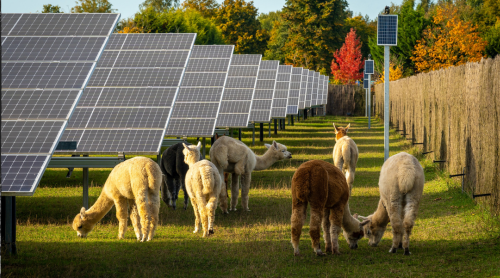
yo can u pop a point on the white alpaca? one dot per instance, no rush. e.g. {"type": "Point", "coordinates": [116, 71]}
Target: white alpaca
{"type": "Point", "coordinates": [134, 183]}
{"type": "Point", "coordinates": [231, 155]}
{"type": "Point", "coordinates": [203, 184]}
{"type": "Point", "coordinates": [345, 154]}
{"type": "Point", "coordinates": [401, 185]}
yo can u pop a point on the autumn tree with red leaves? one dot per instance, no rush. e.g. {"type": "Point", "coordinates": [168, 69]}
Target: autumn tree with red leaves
{"type": "Point", "coordinates": [347, 64]}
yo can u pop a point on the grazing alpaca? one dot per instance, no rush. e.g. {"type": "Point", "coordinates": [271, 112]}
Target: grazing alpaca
{"type": "Point", "coordinates": [203, 184]}
{"type": "Point", "coordinates": [401, 185]}
{"type": "Point", "coordinates": [322, 185]}
{"type": "Point", "coordinates": [226, 175]}
{"type": "Point", "coordinates": [345, 154]}
{"type": "Point", "coordinates": [231, 155]}
{"type": "Point", "coordinates": [134, 183]}
{"type": "Point", "coordinates": [174, 168]}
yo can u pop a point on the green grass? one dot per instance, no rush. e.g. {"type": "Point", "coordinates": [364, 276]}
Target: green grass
{"type": "Point", "coordinates": [452, 237]}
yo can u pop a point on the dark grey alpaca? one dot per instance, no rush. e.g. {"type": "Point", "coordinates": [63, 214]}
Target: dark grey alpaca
{"type": "Point", "coordinates": [174, 169]}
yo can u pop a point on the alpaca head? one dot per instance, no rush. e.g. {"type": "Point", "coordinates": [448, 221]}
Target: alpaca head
{"type": "Point", "coordinates": [81, 224]}
{"type": "Point", "coordinates": [341, 131]}
{"type": "Point", "coordinates": [373, 232]}
{"type": "Point", "coordinates": [191, 153]}
{"type": "Point", "coordinates": [279, 150]}
{"type": "Point", "coordinates": [353, 237]}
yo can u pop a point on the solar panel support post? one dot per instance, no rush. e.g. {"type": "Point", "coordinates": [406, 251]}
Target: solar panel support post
{"type": "Point", "coordinates": [158, 159]}
{"type": "Point", "coordinates": [284, 124]}
{"type": "Point", "coordinates": [269, 127]}
{"type": "Point", "coordinates": [386, 102]}
{"type": "Point", "coordinates": [261, 132]}
{"type": "Point", "coordinates": [366, 103]}
{"type": "Point", "coordinates": [86, 186]}
{"type": "Point", "coordinates": [291, 118]}
{"type": "Point", "coordinates": [204, 142]}
{"type": "Point", "coordinates": [9, 224]}
{"type": "Point", "coordinates": [369, 101]}
{"type": "Point", "coordinates": [275, 127]}
{"type": "Point", "coordinates": [253, 134]}
{"type": "Point", "coordinates": [239, 134]}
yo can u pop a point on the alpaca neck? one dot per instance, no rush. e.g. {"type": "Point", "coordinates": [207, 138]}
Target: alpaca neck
{"type": "Point", "coordinates": [265, 161]}
{"type": "Point", "coordinates": [100, 208]}
{"type": "Point", "coordinates": [380, 216]}
{"type": "Point", "coordinates": [349, 223]}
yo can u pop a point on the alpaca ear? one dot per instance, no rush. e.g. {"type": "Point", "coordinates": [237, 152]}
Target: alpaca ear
{"type": "Point", "coordinates": [364, 222]}
{"type": "Point", "coordinates": [347, 127]}
{"type": "Point", "coordinates": [275, 145]}
{"type": "Point", "coordinates": [335, 128]}
{"type": "Point", "coordinates": [267, 145]}
{"type": "Point", "coordinates": [355, 216]}
{"type": "Point", "coordinates": [82, 213]}
{"type": "Point", "coordinates": [185, 147]}
{"type": "Point", "coordinates": [362, 217]}
{"type": "Point", "coordinates": [199, 145]}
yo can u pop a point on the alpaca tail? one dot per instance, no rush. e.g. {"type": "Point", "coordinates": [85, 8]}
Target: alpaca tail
{"type": "Point", "coordinates": [208, 179]}
{"type": "Point", "coordinates": [346, 154]}
{"type": "Point", "coordinates": [407, 174]}
{"type": "Point", "coordinates": [154, 175]}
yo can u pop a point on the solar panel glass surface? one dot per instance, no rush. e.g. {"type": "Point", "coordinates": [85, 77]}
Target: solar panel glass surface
{"type": "Point", "coordinates": [369, 68]}
{"type": "Point", "coordinates": [264, 92]}
{"type": "Point", "coordinates": [281, 93]}
{"type": "Point", "coordinates": [387, 29]}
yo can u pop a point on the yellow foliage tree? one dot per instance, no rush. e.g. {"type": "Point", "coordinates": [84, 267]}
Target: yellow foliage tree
{"type": "Point", "coordinates": [132, 29]}
{"type": "Point", "coordinates": [451, 42]}
{"type": "Point", "coordinates": [395, 73]}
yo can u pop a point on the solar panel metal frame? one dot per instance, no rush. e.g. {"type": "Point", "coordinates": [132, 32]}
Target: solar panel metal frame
{"type": "Point", "coordinates": [369, 67]}
{"type": "Point", "coordinates": [266, 68]}
{"type": "Point", "coordinates": [286, 72]}
{"type": "Point", "coordinates": [228, 91]}
{"type": "Point", "coordinates": [293, 109]}
{"type": "Point", "coordinates": [27, 164]}
{"type": "Point", "coordinates": [202, 120]}
{"type": "Point", "coordinates": [387, 29]}
{"type": "Point", "coordinates": [325, 100]}
{"type": "Point", "coordinates": [112, 137]}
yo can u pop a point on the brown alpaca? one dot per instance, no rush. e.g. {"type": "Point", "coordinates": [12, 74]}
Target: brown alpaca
{"type": "Point", "coordinates": [134, 183]}
{"type": "Point", "coordinates": [345, 154]}
{"type": "Point", "coordinates": [323, 186]}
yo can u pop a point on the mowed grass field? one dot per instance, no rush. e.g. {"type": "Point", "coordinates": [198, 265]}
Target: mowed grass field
{"type": "Point", "coordinates": [452, 237]}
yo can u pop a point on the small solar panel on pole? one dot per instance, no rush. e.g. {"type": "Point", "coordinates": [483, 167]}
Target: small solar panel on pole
{"type": "Point", "coordinates": [369, 70]}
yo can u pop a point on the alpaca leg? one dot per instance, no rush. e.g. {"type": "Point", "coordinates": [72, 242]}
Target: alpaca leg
{"type": "Point", "coordinates": [315, 229]}
{"type": "Point", "coordinates": [142, 207]}
{"type": "Point", "coordinates": [211, 207]}
{"type": "Point", "coordinates": [223, 193]}
{"type": "Point", "coordinates": [154, 210]}
{"type": "Point", "coordinates": [349, 176]}
{"type": "Point", "coordinates": [122, 215]}
{"type": "Point", "coordinates": [239, 167]}
{"type": "Point", "coordinates": [326, 228]}
{"type": "Point", "coordinates": [202, 208]}
{"type": "Point", "coordinates": [245, 188]}
{"type": "Point", "coordinates": [298, 219]}
{"type": "Point", "coordinates": [336, 215]}
{"type": "Point", "coordinates": [395, 211]}
{"type": "Point", "coordinates": [235, 190]}
{"type": "Point", "coordinates": [197, 220]}
{"type": "Point", "coordinates": [135, 218]}
{"type": "Point", "coordinates": [408, 222]}
{"type": "Point", "coordinates": [186, 195]}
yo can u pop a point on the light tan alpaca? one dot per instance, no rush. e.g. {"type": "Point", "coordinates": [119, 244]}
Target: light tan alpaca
{"type": "Point", "coordinates": [203, 184]}
{"type": "Point", "coordinates": [134, 183]}
{"type": "Point", "coordinates": [345, 154]}
{"type": "Point", "coordinates": [401, 185]}
{"type": "Point", "coordinates": [231, 155]}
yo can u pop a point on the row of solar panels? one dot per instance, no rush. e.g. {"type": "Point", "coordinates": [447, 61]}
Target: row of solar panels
{"type": "Point", "coordinates": [144, 87]}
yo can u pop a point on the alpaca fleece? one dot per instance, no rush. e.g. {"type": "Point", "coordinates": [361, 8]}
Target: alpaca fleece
{"type": "Point", "coordinates": [345, 154]}
{"type": "Point", "coordinates": [174, 168]}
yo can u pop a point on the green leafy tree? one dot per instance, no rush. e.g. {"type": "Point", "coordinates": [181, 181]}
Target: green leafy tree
{"type": "Point", "coordinates": [316, 31]}
{"type": "Point", "coordinates": [49, 8]}
{"type": "Point", "coordinates": [238, 22]}
{"type": "Point", "coordinates": [207, 8]}
{"type": "Point", "coordinates": [267, 20]}
{"type": "Point", "coordinates": [486, 16]}
{"type": "Point", "coordinates": [175, 21]}
{"type": "Point", "coordinates": [364, 30]}
{"type": "Point", "coordinates": [276, 47]}
{"type": "Point", "coordinates": [159, 5]}
{"type": "Point", "coordinates": [92, 6]}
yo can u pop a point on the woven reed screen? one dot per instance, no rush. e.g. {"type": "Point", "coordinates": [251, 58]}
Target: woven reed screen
{"type": "Point", "coordinates": [345, 100]}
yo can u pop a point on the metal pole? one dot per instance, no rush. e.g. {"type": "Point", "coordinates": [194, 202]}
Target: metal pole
{"type": "Point", "coordinates": [369, 101]}
{"type": "Point", "coordinates": [158, 159]}
{"type": "Point", "coordinates": [284, 124]}
{"type": "Point", "coordinates": [262, 132]}
{"type": "Point", "coordinates": [86, 186]}
{"type": "Point", "coordinates": [239, 134]}
{"type": "Point", "coordinates": [291, 118]}
{"type": "Point", "coordinates": [203, 142]}
{"type": "Point", "coordinates": [9, 224]}
{"type": "Point", "coordinates": [269, 127]}
{"type": "Point", "coordinates": [386, 102]}
{"type": "Point", "coordinates": [366, 103]}
{"type": "Point", "coordinates": [253, 134]}
{"type": "Point", "coordinates": [275, 126]}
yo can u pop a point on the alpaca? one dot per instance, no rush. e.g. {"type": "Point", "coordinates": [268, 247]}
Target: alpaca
{"type": "Point", "coordinates": [345, 154]}
{"type": "Point", "coordinates": [134, 183]}
{"type": "Point", "coordinates": [226, 175]}
{"type": "Point", "coordinates": [174, 168]}
{"type": "Point", "coordinates": [233, 156]}
{"type": "Point", "coordinates": [323, 186]}
{"type": "Point", "coordinates": [401, 185]}
{"type": "Point", "coordinates": [203, 184]}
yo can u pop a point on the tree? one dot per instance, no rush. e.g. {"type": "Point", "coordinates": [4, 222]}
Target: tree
{"type": "Point", "coordinates": [159, 5]}
{"type": "Point", "coordinates": [49, 8]}
{"type": "Point", "coordinates": [276, 49]}
{"type": "Point", "coordinates": [238, 22]}
{"type": "Point", "coordinates": [486, 15]}
{"type": "Point", "coordinates": [364, 29]}
{"type": "Point", "coordinates": [316, 30]}
{"type": "Point", "coordinates": [92, 6]}
{"type": "Point", "coordinates": [395, 73]}
{"type": "Point", "coordinates": [207, 8]}
{"type": "Point", "coordinates": [348, 63]}
{"type": "Point", "coordinates": [267, 20]}
{"type": "Point", "coordinates": [450, 42]}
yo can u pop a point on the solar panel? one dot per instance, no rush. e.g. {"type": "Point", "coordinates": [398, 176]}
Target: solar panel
{"type": "Point", "coordinates": [369, 68]}
{"type": "Point", "coordinates": [280, 100]}
{"type": "Point", "coordinates": [293, 97]}
{"type": "Point", "coordinates": [325, 99]}
{"type": "Point", "coordinates": [264, 92]}
{"type": "Point", "coordinates": [310, 81]}
{"type": "Point", "coordinates": [238, 94]}
{"type": "Point", "coordinates": [314, 96]}
{"type": "Point", "coordinates": [128, 101]}
{"type": "Point", "coordinates": [303, 88]}
{"type": "Point", "coordinates": [319, 99]}
{"type": "Point", "coordinates": [387, 29]}
{"type": "Point", "coordinates": [47, 60]}
{"type": "Point", "coordinates": [207, 67]}
{"type": "Point", "coordinates": [365, 84]}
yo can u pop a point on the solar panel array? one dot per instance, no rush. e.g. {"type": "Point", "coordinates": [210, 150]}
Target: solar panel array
{"type": "Point", "coordinates": [294, 94]}
{"type": "Point", "coordinates": [128, 101]}
{"type": "Point", "coordinates": [239, 91]}
{"type": "Point", "coordinates": [369, 68]}
{"type": "Point", "coordinates": [315, 92]}
{"type": "Point", "coordinates": [310, 87]}
{"type": "Point", "coordinates": [303, 89]}
{"type": "Point", "coordinates": [264, 92]}
{"type": "Point", "coordinates": [319, 100]}
{"type": "Point", "coordinates": [198, 102]}
{"type": "Point", "coordinates": [387, 29]}
{"type": "Point", "coordinates": [47, 60]}
{"type": "Point", "coordinates": [280, 100]}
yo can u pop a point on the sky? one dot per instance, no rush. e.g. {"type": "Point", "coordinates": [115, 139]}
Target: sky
{"type": "Point", "coordinates": [129, 7]}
